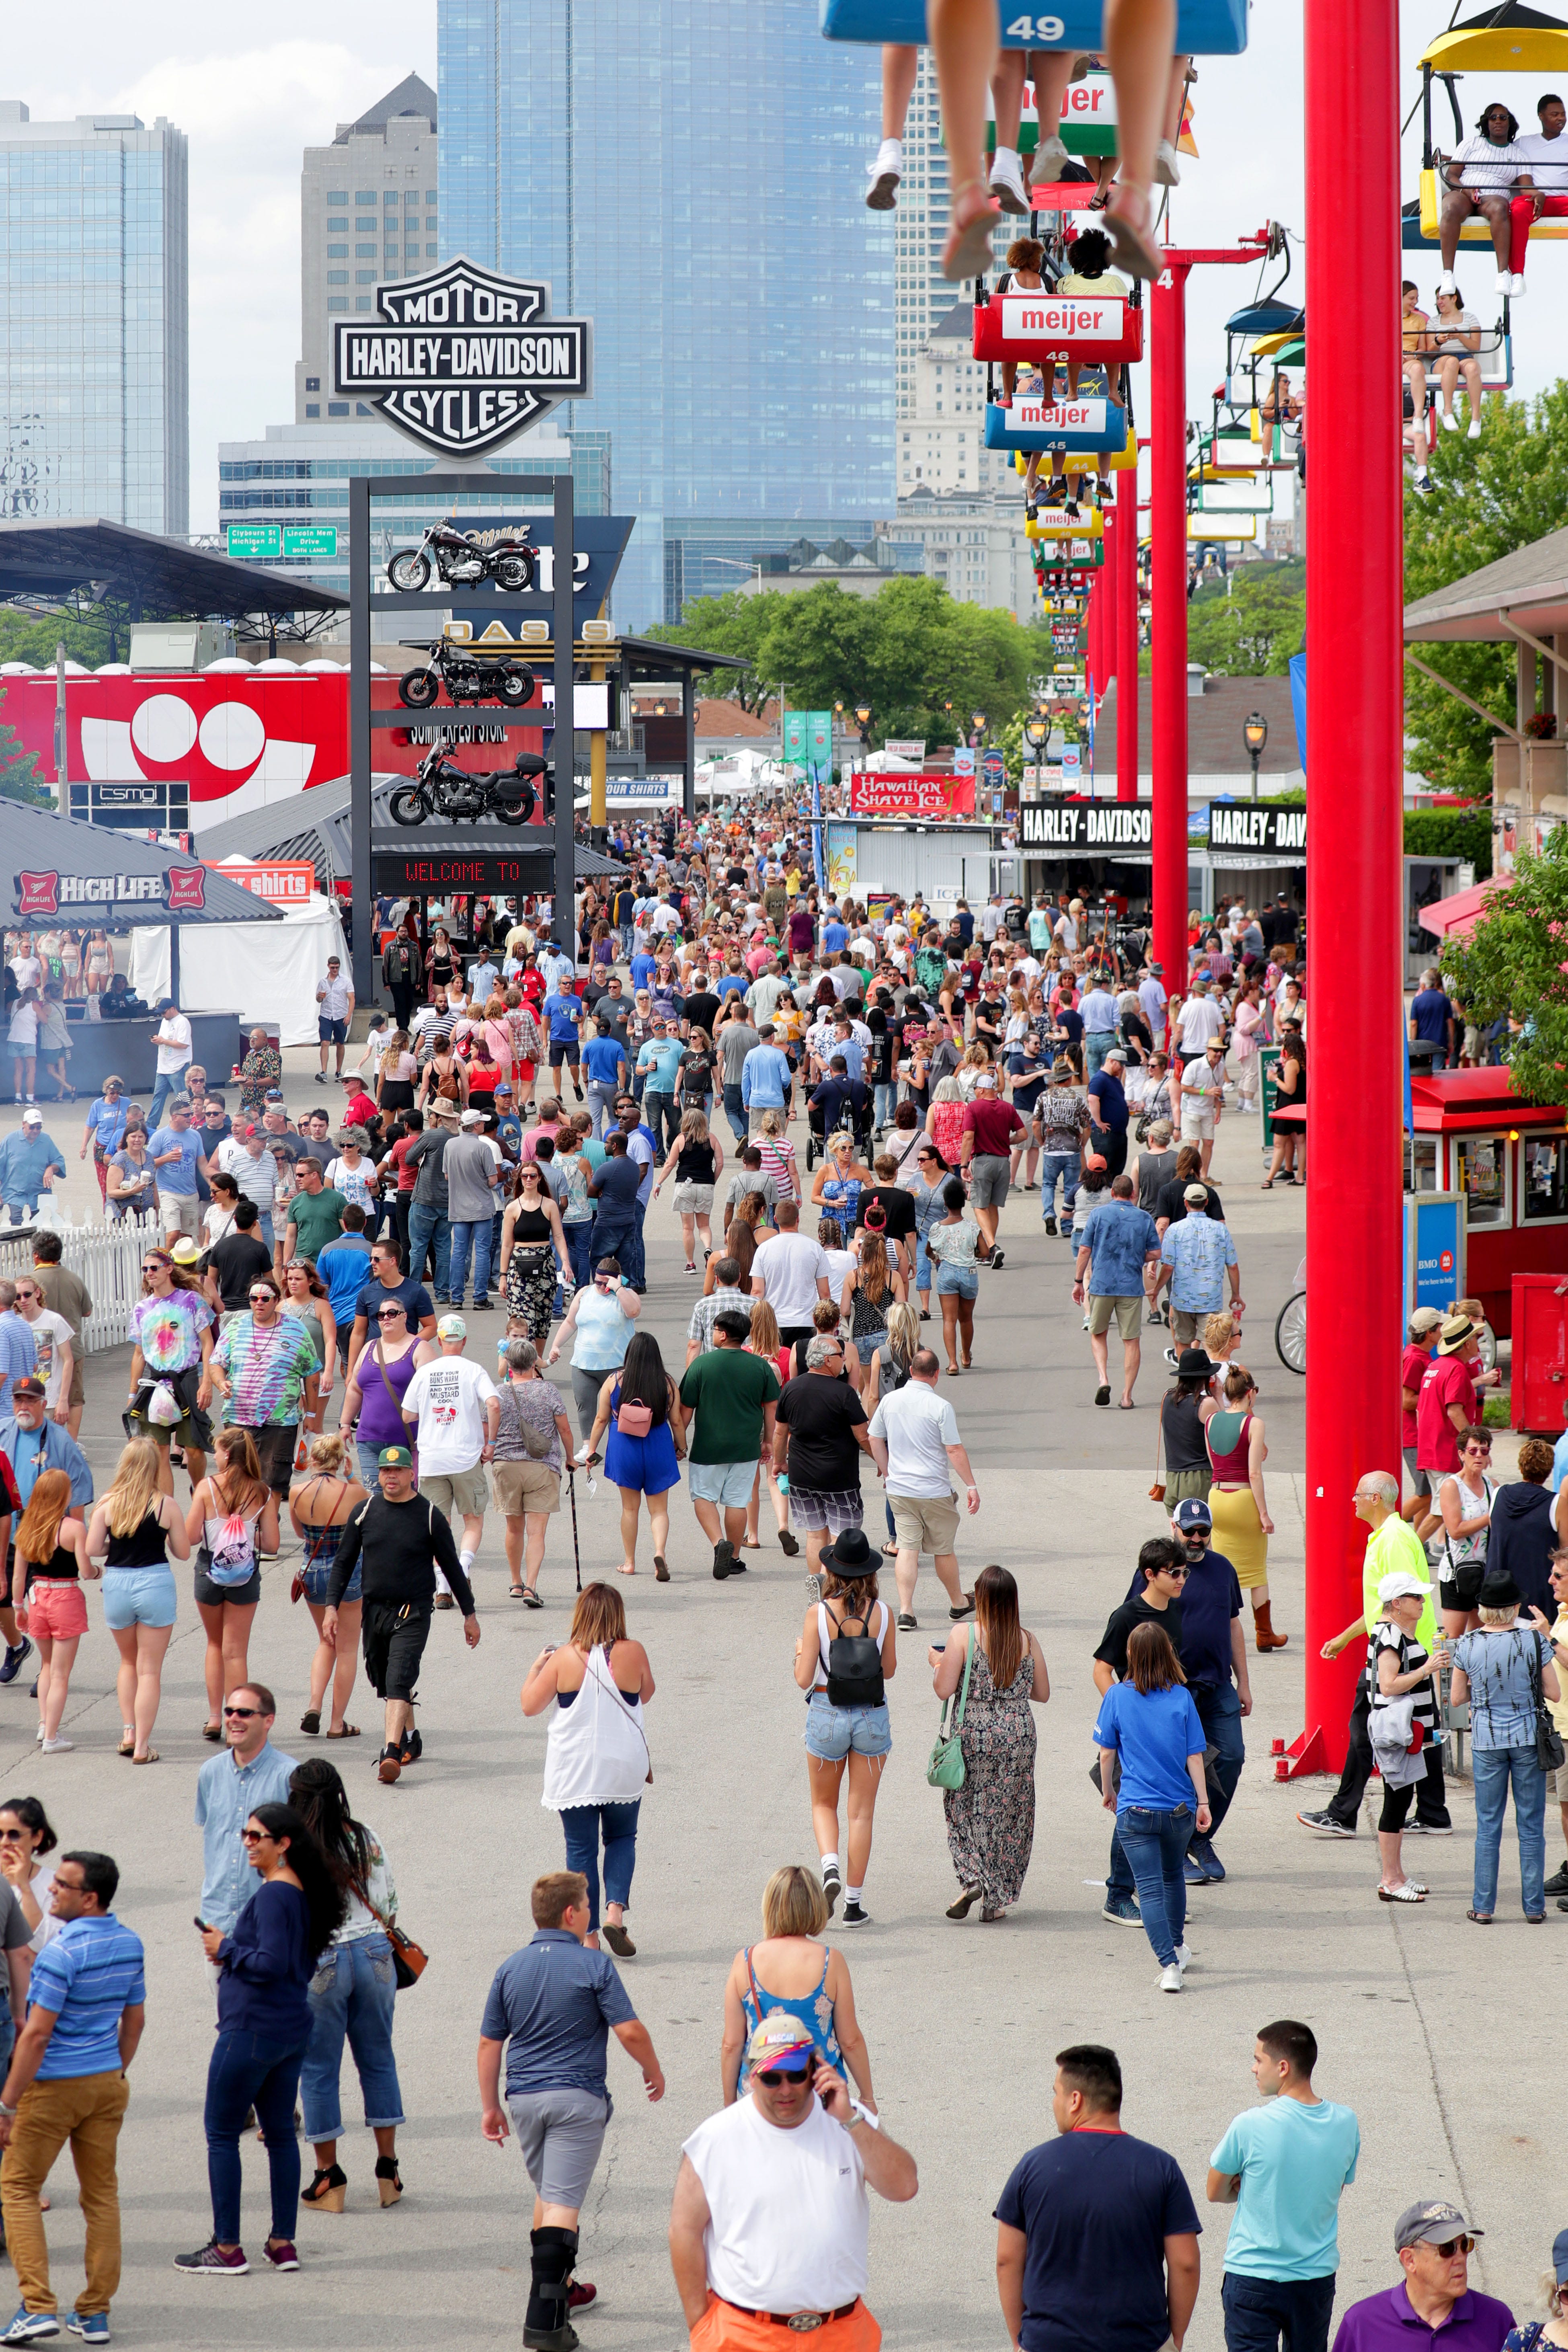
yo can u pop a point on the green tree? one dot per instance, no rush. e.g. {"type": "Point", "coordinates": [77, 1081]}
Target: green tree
{"type": "Point", "coordinates": [731, 624]}
{"type": "Point", "coordinates": [24, 636]}
{"type": "Point", "coordinates": [16, 768]}
{"type": "Point", "coordinates": [1490, 497]}
{"type": "Point", "coordinates": [1253, 630]}
{"type": "Point", "coordinates": [908, 651]}
{"type": "Point", "coordinates": [1514, 962]}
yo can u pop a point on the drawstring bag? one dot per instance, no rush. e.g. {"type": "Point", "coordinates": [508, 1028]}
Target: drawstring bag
{"type": "Point", "coordinates": [945, 1770]}
{"type": "Point", "coordinates": [164, 1407]}
{"type": "Point", "coordinates": [231, 1559]}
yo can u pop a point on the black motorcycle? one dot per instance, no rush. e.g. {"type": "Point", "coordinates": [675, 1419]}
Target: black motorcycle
{"type": "Point", "coordinates": [468, 677]}
{"type": "Point", "coordinates": [441, 789]}
{"type": "Point", "coordinates": [460, 560]}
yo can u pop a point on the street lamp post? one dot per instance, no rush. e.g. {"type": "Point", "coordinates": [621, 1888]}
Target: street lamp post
{"type": "Point", "coordinates": [1255, 731]}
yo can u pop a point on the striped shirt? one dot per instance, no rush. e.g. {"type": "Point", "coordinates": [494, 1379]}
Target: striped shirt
{"type": "Point", "coordinates": [88, 1974]}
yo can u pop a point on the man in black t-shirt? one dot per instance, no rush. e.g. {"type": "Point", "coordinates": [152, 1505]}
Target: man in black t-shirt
{"type": "Point", "coordinates": [819, 1435]}
{"type": "Point", "coordinates": [1162, 1563]}
{"type": "Point", "coordinates": [230, 1266]}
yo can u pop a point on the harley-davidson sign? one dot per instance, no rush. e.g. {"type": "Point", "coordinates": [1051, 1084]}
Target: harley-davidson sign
{"type": "Point", "coordinates": [465, 359]}
{"type": "Point", "coordinates": [177, 888]}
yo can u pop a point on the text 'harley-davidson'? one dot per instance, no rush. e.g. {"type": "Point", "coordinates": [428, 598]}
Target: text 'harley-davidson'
{"type": "Point", "coordinates": [442, 789]}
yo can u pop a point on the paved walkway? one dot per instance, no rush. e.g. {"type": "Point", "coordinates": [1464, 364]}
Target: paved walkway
{"type": "Point", "coordinates": [1424, 2025]}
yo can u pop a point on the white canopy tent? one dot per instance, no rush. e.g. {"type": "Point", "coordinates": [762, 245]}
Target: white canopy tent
{"type": "Point", "coordinates": [269, 970]}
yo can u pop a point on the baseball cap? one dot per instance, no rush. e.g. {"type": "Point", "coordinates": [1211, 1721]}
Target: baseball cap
{"type": "Point", "coordinates": [1560, 2257]}
{"type": "Point", "coordinates": [503, 1089]}
{"type": "Point", "coordinates": [1400, 1584]}
{"type": "Point", "coordinates": [472, 1118]}
{"type": "Point", "coordinates": [451, 1326]}
{"type": "Point", "coordinates": [31, 1119]}
{"type": "Point", "coordinates": [273, 1094]}
{"type": "Point", "coordinates": [1195, 1196]}
{"type": "Point", "coordinates": [1194, 1513]}
{"type": "Point", "coordinates": [1426, 1318]}
{"type": "Point", "coordinates": [395, 1457]}
{"type": "Point", "coordinates": [778, 2036]}
{"type": "Point", "coordinates": [1434, 2223]}
{"type": "Point", "coordinates": [28, 1386]}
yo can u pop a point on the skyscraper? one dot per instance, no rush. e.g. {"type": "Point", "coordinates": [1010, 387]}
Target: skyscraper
{"type": "Point", "coordinates": [94, 329]}
{"type": "Point", "coordinates": [922, 297]}
{"type": "Point", "coordinates": [692, 179]}
{"type": "Point", "coordinates": [367, 214]}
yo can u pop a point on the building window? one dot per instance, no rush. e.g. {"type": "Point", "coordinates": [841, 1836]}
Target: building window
{"type": "Point", "coordinates": [366, 252]}
{"type": "Point", "coordinates": [337, 408]}
{"type": "Point", "coordinates": [389, 197]}
{"type": "Point", "coordinates": [337, 276]}
{"type": "Point", "coordinates": [337, 195]}
{"type": "Point", "coordinates": [364, 277]}
{"type": "Point", "coordinates": [367, 227]}
{"type": "Point", "coordinates": [390, 251]}
{"type": "Point", "coordinates": [337, 253]}
{"type": "Point", "coordinates": [313, 383]}
{"type": "Point", "coordinates": [364, 196]}
{"type": "Point", "coordinates": [431, 227]}
{"type": "Point", "coordinates": [411, 195]}
{"type": "Point", "coordinates": [363, 302]}
{"type": "Point", "coordinates": [313, 409]}
{"type": "Point", "coordinates": [337, 301]}
{"type": "Point", "coordinates": [338, 226]}
{"type": "Point", "coordinates": [432, 252]}
{"type": "Point", "coordinates": [431, 198]}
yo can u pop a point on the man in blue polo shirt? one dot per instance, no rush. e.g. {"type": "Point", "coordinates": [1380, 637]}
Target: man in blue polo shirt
{"type": "Point", "coordinates": [562, 1014]}
{"type": "Point", "coordinates": [86, 2008]}
{"type": "Point", "coordinates": [552, 2008]}
{"type": "Point", "coordinates": [175, 1151]}
{"type": "Point", "coordinates": [1214, 1659]}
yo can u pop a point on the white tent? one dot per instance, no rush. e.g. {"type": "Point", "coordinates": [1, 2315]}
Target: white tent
{"type": "Point", "coordinates": [261, 970]}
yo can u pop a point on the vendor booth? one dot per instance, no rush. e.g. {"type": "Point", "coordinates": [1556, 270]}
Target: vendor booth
{"type": "Point", "coordinates": [1508, 1162]}
{"type": "Point", "coordinates": [67, 875]}
{"type": "Point", "coordinates": [269, 973]}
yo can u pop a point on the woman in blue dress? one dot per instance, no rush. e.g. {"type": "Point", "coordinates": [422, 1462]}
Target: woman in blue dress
{"type": "Point", "coordinates": [792, 1970]}
{"type": "Point", "coordinates": [636, 1408]}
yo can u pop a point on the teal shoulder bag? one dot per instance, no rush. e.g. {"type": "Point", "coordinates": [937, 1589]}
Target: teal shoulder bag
{"type": "Point", "coordinates": [945, 1770]}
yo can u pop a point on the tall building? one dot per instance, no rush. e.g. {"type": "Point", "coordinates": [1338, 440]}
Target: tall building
{"type": "Point", "coordinates": [941, 430]}
{"type": "Point", "coordinates": [972, 542]}
{"type": "Point", "coordinates": [367, 214]}
{"type": "Point", "coordinates": [94, 326]}
{"type": "Point", "coordinates": [922, 297]}
{"type": "Point", "coordinates": [717, 236]}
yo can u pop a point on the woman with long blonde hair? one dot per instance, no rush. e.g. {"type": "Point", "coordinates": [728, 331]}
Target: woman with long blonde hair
{"type": "Point", "coordinates": [767, 1342]}
{"type": "Point", "coordinates": [51, 1560]}
{"type": "Point", "coordinates": [134, 1529]}
{"type": "Point", "coordinates": [596, 1763]}
{"type": "Point", "coordinates": [233, 1518]}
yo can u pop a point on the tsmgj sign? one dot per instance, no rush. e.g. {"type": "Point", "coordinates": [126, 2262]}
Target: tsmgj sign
{"type": "Point", "coordinates": [1106, 828]}
{"type": "Point", "coordinates": [177, 888]}
{"type": "Point", "coordinates": [1261, 832]}
{"type": "Point", "coordinates": [461, 359]}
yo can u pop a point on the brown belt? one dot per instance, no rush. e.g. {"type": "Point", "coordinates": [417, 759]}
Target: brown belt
{"type": "Point", "coordinates": [802, 2322]}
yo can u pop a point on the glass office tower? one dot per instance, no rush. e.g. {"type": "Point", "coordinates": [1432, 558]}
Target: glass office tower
{"type": "Point", "coordinates": [691, 175]}
{"type": "Point", "coordinates": [94, 329]}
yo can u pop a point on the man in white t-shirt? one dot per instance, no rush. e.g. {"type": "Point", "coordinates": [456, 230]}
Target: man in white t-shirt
{"type": "Point", "coordinates": [457, 1407]}
{"type": "Point", "coordinates": [334, 1011]}
{"type": "Point", "coordinates": [1546, 152]}
{"type": "Point", "coordinates": [172, 1039]}
{"type": "Point", "coordinates": [770, 2212]}
{"type": "Point", "coordinates": [790, 1272]}
{"type": "Point", "coordinates": [51, 1346]}
{"type": "Point", "coordinates": [916, 1446]}
{"type": "Point", "coordinates": [1200, 1019]}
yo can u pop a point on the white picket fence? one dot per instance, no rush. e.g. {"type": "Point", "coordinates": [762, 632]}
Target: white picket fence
{"type": "Point", "coordinates": [108, 1258]}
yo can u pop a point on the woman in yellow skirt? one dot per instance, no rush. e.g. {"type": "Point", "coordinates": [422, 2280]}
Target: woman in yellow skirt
{"type": "Point", "coordinates": [1242, 1526]}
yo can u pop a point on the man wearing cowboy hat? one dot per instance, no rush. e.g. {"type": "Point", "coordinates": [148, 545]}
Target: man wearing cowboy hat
{"type": "Point", "coordinates": [1446, 1406]}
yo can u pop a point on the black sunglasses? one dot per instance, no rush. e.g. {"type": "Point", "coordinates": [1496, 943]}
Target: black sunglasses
{"type": "Point", "coordinates": [242, 1710]}
{"type": "Point", "coordinates": [389, 1314]}
{"type": "Point", "coordinates": [778, 2078]}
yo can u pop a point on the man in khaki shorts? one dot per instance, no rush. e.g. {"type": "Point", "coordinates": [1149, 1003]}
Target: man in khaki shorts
{"type": "Point", "coordinates": [527, 1485]}
{"type": "Point", "coordinates": [457, 1407]}
{"type": "Point", "coordinates": [1120, 1239]}
{"type": "Point", "coordinates": [916, 1446]}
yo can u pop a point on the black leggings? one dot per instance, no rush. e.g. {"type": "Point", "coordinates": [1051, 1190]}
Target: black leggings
{"type": "Point", "coordinates": [1396, 1803]}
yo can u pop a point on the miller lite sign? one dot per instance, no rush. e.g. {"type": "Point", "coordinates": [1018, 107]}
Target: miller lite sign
{"type": "Point", "coordinates": [461, 359]}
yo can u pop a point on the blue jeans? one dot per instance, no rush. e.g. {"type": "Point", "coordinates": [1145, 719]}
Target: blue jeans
{"type": "Point", "coordinates": [884, 1102]}
{"type": "Point", "coordinates": [1493, 1768]}
{"type": "Point", "coordinates": [1264, 2314]}
{"type": "Point", "coordinates": [583, 1824]}
{"type": "Point", "coordinates": [463, 1235]}
{"type": "Point", "coordinates": [577, 1248]}
{"type": "Point", "coordinates": [168, 1083]}
{"type": "Point", "coordinates": [1097, 1044]}
{"type": "Point", "coordinates": [736, 1112]}
{"type": "Point", "coordinates": [352, 1993]}
{"type": "Point", "coordinates": [246, 2071]}
{"type": "Point", "coordinates": [428, 1228]}
{"type": "Point", "coordinates": [1219, 1712]}
{"type": "Point", "coordinates": [658, 1110]}
{"type": "Point", "coordinates": [610, 1240]}
{"type": "Point", "coordinates": [1156, 1843]}
{"type": "Point", "coordinates": [634, 1259]}
{"type": "Point", "coordinates": [1053, 1164]}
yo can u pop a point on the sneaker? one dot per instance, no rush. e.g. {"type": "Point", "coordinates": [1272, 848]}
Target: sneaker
{"type": "Point", "coordinates": [965, 1608]}
{"type": "Point", "coordinates": [1556, 1885]}
{"type": "Point", "coordinates": [884, 175]}
{"type": "Point", "coordinates": [1122, 1911]}
{"type": "Point", "coordinates": [723, 1559]}
{"type": "Point", "coordinates": [56, 1746]}
{"type": "Point", "coordinates": [1446, 284]}
{"type": "Point", "coordinates": [210, 2261]}
{"type": "Point", "coordinates": [445, 1601]}
{"type": "Point", "coordinates": [580, 2295]}
{"type": "Point", "coordinates": [908, 1623]}
{"type": "Point", "coordinates": [1183, 1955]}
{"type": "Point", "coordinates": [1201, 1851]}
{"type": "Point", "coordinates": [854, 1913]}
{"type": "Point", "coordinates": [1051, 153]}
{"type": "Point", "coordinates": [1051, 1226]}
{"type": "Point", "coordinates": [11, 1665]}
{"type": "Point", "coordinates": [1171, 1979]}
{"type": "Point", "coordinates": [1192, 1873]}
{"type": "Point", "coordinates": [1473, 430]}
{"type": "Point", "coordinates": [1504, 282]}
{"type": "Point", "coordinates": [481, 1307]}
{"type": "Point", "coordinates": [1007, 181]}
{"type": "Point", "coordinates": [29, 2326]}
{"type": "Point", "coordinates": [388, 1766]}
{"type": "Point", "coordinates": [1516, 284]}
{"type": "Point", "coordinates": [92, 2326]}
{"type": "Point", "coordinates": [832, 1886]}
{"type": "Point", "coordinates": [1416, 1828]}
{"type": "Point", "coordinates": [1450, 422]}
{"type": "Point", "coordinates": [1324, 1825]}
{"type": "Point", "coordinates": [997, 1260]}
{"type": "Point", "coordinates": [1167, 171]}
{"type": "Point", "coordinates": [282, 2253]}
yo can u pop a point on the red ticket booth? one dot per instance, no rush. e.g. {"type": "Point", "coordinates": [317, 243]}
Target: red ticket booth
{"type": "Point", "coordinates": [1510, 1160]}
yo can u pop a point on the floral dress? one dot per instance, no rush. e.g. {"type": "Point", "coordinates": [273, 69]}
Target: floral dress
{"type": "Point", "coordinates": [991, 1820]}
{"type": "Point", "coordinates": [814, 2010]}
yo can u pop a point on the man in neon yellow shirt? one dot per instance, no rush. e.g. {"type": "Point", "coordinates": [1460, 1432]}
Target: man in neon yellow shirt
{"type": "Point", "coordinates": [1391, 1544]}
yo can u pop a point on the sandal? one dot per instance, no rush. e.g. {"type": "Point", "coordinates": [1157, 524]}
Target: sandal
{"type": "Point", "coordinates": [889, 1551]}
{"type": "Point", "coordinates": [345, 1731]}
{"type": "Point", "coordinates": [1481, 1918]}
{"type": "Point", "coordinates": [310, 1721]}
{"type": "Point", "coordinates": [213, 1731]}
{"type": "Point", "coordinates": [967, 253]}
{"type": "Point", "coordinates": [151, 1757]}
{"type": "Point", "coordinates": [1134, 239]}
{"type": "Point", "coordinates": [660, 1570]}
{"type": "Point", "coordinates": [516, 1591]}
{"type": "Point", "coordinates": [1407, 1893]}
{"type": "Point", "coordinates": [530, 1599]}
{"type": "Point", "coordinates": [128, 1745]}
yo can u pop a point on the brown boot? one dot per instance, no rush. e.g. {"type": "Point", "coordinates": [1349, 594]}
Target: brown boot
{"type": "Point", "coordinates": [1263, 1630]}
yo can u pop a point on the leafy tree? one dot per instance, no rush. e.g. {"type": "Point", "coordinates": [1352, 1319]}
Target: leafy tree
{"type": "Point", "coordinates": [1516, 961]}
{"type": "Point", "coordinates": [16, 768]}
{"type": "Point", "coordinates": [731, 624]}
{"type": "Point", "coordinates": [1253, 631]}
{"type": "Point", "coordinates": [25, 637]}
{"type": "Point", "coordinates": [1490, 497]}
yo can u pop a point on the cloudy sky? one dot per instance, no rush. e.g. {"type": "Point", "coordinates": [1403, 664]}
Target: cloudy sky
{"type": "Point", "coordinates": [251, 101]}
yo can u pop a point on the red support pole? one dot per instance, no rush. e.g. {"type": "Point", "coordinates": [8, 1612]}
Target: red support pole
{"type": "Point", "coordinates": [1356, 771]}
{"type": "Point", "coordinates": [1168, 470]}
{"type": "Point", "coordinates": [1127, 638]}
{"type": "Point", "coordinates": [1094, 635]}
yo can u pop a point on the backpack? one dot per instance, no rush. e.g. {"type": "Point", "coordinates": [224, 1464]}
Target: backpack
{"type": "Point", "coordinates": [854, 1666]}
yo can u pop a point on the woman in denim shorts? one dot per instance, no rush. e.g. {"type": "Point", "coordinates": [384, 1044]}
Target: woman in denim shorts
{"type": "Point", "coordinates": [133, 1530]}
{"type": "Point", "coordinates": [321, 1507]}
{"type": "Point", "coordinates": [838, 1733]}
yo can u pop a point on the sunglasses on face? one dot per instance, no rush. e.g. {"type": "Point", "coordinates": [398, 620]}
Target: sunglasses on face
{"type": "Point", "coordinates": [784, 2078]}
{"type": "Point", "coordinates": [252, 1837]}
{"type": "Point", "coordinates": [389, 1314]}
{"type": "Point", "coordinates": [242, 1712]}
{"type": "Point", "coordinates": [1179, 1574]}
{"type": "Point", "coordinates": [7, 1836]}
{"type": "Point", "coordinates": [1466, 2246]}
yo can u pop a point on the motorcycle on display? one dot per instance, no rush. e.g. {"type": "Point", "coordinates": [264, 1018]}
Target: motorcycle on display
{"type": "Point", "coordinates": [460, 560]}
{"type": "Point", "coordinates": [442, 789]}
{"type": "Point", "coordinates": [468, 677]}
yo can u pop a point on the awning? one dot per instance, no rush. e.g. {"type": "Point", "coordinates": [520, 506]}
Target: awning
{"type": "Point", "coordinates": [98, 878]}
{"type": "Point", "coordinates": [1456, 917]}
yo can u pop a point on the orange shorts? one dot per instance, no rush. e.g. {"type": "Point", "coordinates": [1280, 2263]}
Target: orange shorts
{"type": "Point", "coordinates": [57, 1611]}
{"type": "Point", "coordinates": [722, 2329]}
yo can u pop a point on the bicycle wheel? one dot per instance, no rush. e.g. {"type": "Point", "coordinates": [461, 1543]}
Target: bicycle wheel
{"type": "Point", "coordinates": [1290, 1333]}
{"type": "Point", "coordinates": [1486, 1341]}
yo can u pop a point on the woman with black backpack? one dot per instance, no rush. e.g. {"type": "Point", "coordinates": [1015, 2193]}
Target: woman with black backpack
{"type": "Point", "coordinates": [845, 1657]}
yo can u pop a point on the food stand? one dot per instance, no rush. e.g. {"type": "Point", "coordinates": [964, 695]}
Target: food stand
{"type": "Point", "coordinates": [1508, 1160]}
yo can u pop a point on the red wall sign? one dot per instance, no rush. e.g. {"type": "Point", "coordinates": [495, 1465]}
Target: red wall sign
{"type": "Point", "coordinates": [49, 892]}
{"type": "Point", "coordinates": [924, 796]}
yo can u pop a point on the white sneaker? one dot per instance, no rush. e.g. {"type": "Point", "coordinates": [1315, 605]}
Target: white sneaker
{"type": "Point", "coordinates": [54, 1747]}
{"type": "Point", "coordinates": [1171, 1979]}
{"type": "Point", "coordinates": [1516, 284]}
{"type": "Point", "coordinates": [1007, 180]}
{"type": "Point", "coordinates": [1504, 283]}
{"type": "Point", "coordinates": [38, 1737]}
{"type": "Point", "coordinates": [1446, 284]}
{"type": "Point", "coordinates": [885, 174]}
{"type": "Point", "coordinates": [1450, 422]}
{"type": "Point", "coordinates": [1167, 171]}
{"type": "Point", "coordinates": [1184, 1957]}
{"type": "Point", "coordinates": [1049, 152]}
{"type": "Point", "coordinates": [1473, 431]}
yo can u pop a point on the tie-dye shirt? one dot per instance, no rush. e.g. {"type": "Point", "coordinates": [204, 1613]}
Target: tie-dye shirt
{"type": "Point", "coordinates": [268, 1369]}
{"type": "Point", "coordinates": [169, 1330]}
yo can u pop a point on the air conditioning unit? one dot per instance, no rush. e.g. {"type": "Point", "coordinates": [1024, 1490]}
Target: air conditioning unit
{"type": "Point", "coordinates": [180, 645]}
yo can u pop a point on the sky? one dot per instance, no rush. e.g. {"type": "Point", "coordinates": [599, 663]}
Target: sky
{"type": "Point", "coordinates": [250, 101]}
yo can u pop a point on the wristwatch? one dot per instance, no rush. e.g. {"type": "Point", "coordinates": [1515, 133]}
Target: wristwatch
{"type": "Point", "coordinates": [865, 2114]}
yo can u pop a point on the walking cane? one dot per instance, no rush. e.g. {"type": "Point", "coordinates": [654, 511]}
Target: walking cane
{"type": "Point", "coordinates": [576, 1555]}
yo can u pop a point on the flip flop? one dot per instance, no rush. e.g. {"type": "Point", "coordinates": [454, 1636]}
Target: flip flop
{"type": "Point", "coordinates": [1102, 1393]}
{"type": "Point", "coordinates": [1125, 1406]}
{"type": "Point", "coordinates": [1133, 242]}
{"type": "Point", "coordinates": [660, 1568]}
{"type": "Point", "coordinates": [348, 1731]}
{"type": "Point", "coordinates": [968, 248]}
